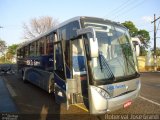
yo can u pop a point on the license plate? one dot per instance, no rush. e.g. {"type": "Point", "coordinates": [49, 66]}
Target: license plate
{"type": "Point", "coordinates": [128, 103]}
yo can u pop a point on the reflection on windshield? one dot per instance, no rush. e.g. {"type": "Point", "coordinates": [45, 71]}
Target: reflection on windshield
{"type": "Point", "coordinates": [116, 53]}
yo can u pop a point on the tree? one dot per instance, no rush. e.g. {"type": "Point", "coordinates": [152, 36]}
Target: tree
{"type": "Point", "coordinates": [11, 52]}
{"type": "Point", "coordinates": [144, 37]}
{"type": "Point", "coordinates": [2, 47]}
{"type": "Point", "coordinates": [132, 29]}
{"type": "Point", "coordinates": [38, 26]}
{"type": "Point", "coordinates": [143, 51]}
{"type": "Point", "coordinates": [157, 51]}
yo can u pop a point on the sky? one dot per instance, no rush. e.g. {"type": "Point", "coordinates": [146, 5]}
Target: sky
{"type": "Point", "coordinates": [14, 13]}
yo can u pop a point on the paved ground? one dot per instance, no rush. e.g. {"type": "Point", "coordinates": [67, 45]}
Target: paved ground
{"type": "Point", "coordinates": [151, 86]}
{"type": "Point", "coordinates": [34, 103]}
{"type": "Point", "coordinates": [6, 102]}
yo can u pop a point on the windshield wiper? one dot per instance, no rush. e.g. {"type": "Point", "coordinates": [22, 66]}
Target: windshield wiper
{"type": "Point", "coordinates": [100, 61]}
{"type": "Point", "coordinates": [105, 67]}
{"type": "Point", "coordinates": [129, 63]}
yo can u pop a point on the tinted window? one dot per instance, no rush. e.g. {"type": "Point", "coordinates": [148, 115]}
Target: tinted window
{"type": "Point", "coordinates": [69, 31]}
{"type": "Point", "coordinates": [26, 51]}
{"type": "Point", "coordinates": [62, 33]}
{"type": "Point", "coordinates": [19, 53]}
{"type": "Point", "coordinates": [32, 49]}
{"type": "Point", "coordinates": [72, 29]}
{"type": "Point", "coordinates": [51, 43]}
{"type": "Point", "coordinates": [47, 44]}
{"type": "Point", "coordinates": [59, 57]}
{"type": "Point", "coordinates": [37, 47]}
{"type": "Point", "coordinates": [41, 46]}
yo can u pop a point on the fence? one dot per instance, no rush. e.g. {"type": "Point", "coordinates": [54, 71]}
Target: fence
{"type": "Point", "coordinates": [146, 63]}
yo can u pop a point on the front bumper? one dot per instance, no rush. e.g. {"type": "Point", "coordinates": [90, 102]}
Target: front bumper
{"type": "Point", "coordinates": [118, 102]}
{"type": "Point", "coordinates": [112, 104]}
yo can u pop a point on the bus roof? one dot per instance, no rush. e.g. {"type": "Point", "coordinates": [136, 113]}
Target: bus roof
{"type": "Point", "coordinates": [62, 24]}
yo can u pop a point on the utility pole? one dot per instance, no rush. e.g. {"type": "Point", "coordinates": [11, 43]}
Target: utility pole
{"type": "Point", "coordinates": [155, 55]}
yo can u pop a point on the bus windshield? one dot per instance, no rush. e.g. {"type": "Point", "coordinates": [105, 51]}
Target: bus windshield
{"type": "Point", "coordinates": [116, 59]}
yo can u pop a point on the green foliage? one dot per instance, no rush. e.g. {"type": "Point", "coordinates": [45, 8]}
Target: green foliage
{"type": "Point", "coordinates": [143, 51]}
{"type": "Point", "coordinates": [143, 35]}
{"type": "Point", "coordinates": [132, 28]}
{"type": "Point", "coordinates": [157, 51]}
{"type": "Point", "coordinates": [2, 46]}
{"type": "Point", "coordinates": [12, 49]}
{"type": "Point", "coordinates": [144, 38]}
{"type": "Point", "coordinates": [2, 59]}
{"type": "Point", "coordinates": [11, 52]}
{"type": "Point", "coordinates": [7, 54]}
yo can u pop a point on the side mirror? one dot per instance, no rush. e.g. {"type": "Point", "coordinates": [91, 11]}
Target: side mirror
{"type": "Point", "coordinates": [85, 31]}
{"type": "Point", "coordinates": [137, 50]}
{"type": "Point", "coordinates": [93, 44]}
{"type": "Point", "coordinates": [93, 47]}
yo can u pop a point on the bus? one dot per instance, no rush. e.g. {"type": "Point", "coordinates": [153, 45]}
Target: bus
{"type": "Point", "coordinates": [85, 60]}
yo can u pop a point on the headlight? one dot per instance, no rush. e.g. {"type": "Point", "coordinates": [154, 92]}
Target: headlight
{"type": "Point", "coordinates": [102, 92]}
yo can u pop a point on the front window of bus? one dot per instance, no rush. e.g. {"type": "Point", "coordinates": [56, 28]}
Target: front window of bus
{"type": "Point", "coordinates": [116, 59]}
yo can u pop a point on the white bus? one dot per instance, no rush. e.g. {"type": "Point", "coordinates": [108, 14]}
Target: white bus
{"type": "Point", "coordinates": [84, 60]}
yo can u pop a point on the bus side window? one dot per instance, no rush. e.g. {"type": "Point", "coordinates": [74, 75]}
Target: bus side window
{"type": "Point", "coordinates": [73, 26]}
{"type": "Point", "coordinates": [68, 32]}
{"type": "Point", "coordinates": [51, 44]}
{"type": "Point", "coordinates": [32, 49]}
{"type": "Point", "coordinates": [59, 60]}
{"type": "Point", "coordinates": [47, 45]}
{"type": "Point", "coordinates": [19, 53]}
{"type": "Point", "coordinates": [26, 51]}
{"type": "Point", "coordinates": [22, 53]}
{"type": "Point", "coordinates": [41, 48]}
{"type": "Point", "coordinates": [37, 48]}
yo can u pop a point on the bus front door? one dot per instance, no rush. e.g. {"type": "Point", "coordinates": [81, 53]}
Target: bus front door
{"type": "Point", "coordinates": [59, 73]}
{"type": "Point", "coordinates": [77, 86]}
{"type": "Point", "coordinates": [70, 79]}
{"type": "Point", "coordinates": [67, 87]}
